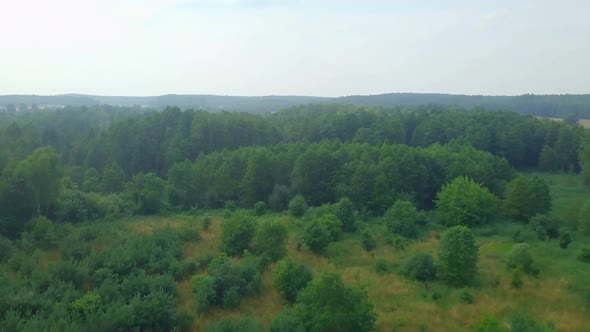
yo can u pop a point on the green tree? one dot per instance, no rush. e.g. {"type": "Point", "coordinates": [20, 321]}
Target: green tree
{"type": "Point", "coordinates": [320, 233]}
{"type": "Point", "coordinates": [489, 324]}
{"type": "Point", "coordinates": [518, 198]}
{"type": "Point", "coordinates": [584, 159]}
{"type": "Point", "coordinates": [420, 267]}
{"type": "Point", "coordinates": [344, 210]}
{"type": "Point", "coordinates": [91, 181]}
{"type": "Point", "coordinates": [458, 255]}
{"type": "Point", "coordinates": [464, 202]}
{"type": "Point", "coordinates": [402, 219]}
{"type": "Point", "coordinates": [541, 196]}
{"type": "Point", "coordinates": [257, 182]}
{"type": "Point", "coordinates": [297, 206]}
{"type": "Point", "coordinates": [270, 240]}
{"type": "Point", "coordinates": [237, 233]}
{"type": "Point", "coordinates": [289, 278]}
{"type": "Point", "coordinates": [42, 171]}
{"type": "Point", "coordinates": [149, 192]}
{"type": "Point", "coordinates": [327, 305]}
{"type": "Point", "coordinates": [548, 159]}
{"type": "Point", "coordinates": [278, 200]}
{"type": "Point", "coordinates": [260, 208]}
{"type": "Point", "coordinates": [520, 257]}
{"type": "Point", "coordinates": [113, 179]}
{"type": "Point", "coordinates": [204, 290]}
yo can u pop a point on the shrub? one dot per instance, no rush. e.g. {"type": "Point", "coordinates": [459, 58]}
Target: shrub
{"type": "Point", "coordinates": [204, 290]}
{"type": "Point", "coordinates": [584, 255]}
{"type": "Point", "coordinates": [319, 234]}
{"type": "Point", "coordinates": [564, 240]}
{"type": "Point", "coordinates": [189, 232]}
{"type": "Point", "coordinates": [520, 256]}
{"type": "Point", "coordinates": [231, 298]}
{"type": "Point", "coordinates": [398, 241]}
{"type": "Point", "coordinates": [516, 280]}
{"type": "Point", "coordinates": [230, 206]}
{"type": "Point", "coordinates": [297, 206]}
{"type": "Point", "coordinates": [270, 240]}
{"type": "Point", "coordinates": [489, 324]}
{"type": "Point", "coordinates": [206, 222]}
{"type": "Point", "coordinates": [367, 240]}
{"type": "Point", "coordinates": [401, 219]}
{"type": "Point", "coordinates": [237, 233]}
{"type": "Point", "coordinates": [458, 256]}
{"type": "Point", "coordinates": [260, 208]}
{"type": "Point", "coordinates": [465, 202]}
{"type": "Point", "coordinates": [525, 323]}
{"type": "Point", "coordinates": [382, 266]}
{"type": "Point", "coordinates": [289, 278]}
{"type": "Point", "coordinates": [234, 325]}
{"type": "Point", "coordinates": [287, 321]}
{"type": "Point", "coordinates": [466, 296]}
{"type": "Point", "coordinates": [279, 198]}
{"type": "Point", "coordinates": [420, 267]}
{"type": "Point", "coordinates": [584, 219]}
{"type": "Point", "coordinates": [545, 226]}
{"type": "Point", "coordinates": [6, 248]}
{"type": "Point", "coordinates": [344, 211]}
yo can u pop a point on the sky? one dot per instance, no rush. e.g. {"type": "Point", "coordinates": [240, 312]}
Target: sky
{"type": "Point", "coordinates": [294, 47]}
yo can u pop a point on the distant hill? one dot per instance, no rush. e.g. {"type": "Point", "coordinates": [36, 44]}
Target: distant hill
{"type": "Point", "coordinates": [540, 105]}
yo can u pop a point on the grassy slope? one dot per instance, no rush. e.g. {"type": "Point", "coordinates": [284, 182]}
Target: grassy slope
{"type": "Point", "coordinates": [407, 305]}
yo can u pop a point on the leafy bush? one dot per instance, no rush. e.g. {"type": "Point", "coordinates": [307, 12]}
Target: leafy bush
{"type": "Point", "coordinates": [204, 290]}
{"type": "Point", "coordinates": [382, 266]}
{"type": "Point", "coordinates": [230, 206]}
{"type": "Point", "coordinates": [237, 233]}
{"type": "Point", "coordinates": [520, 256]}
{"type": "Point", "coordinates": [6, 248]}
{"type": "Point", "coordinates": [401, 219]}
{"type": "Point", "coordinates": [420, 267]}
{"type": "Point", "coordinates": [260, 208]}
{"type": "Point", "coordinates": [547, 227]}
{"type": "Point", "coordinates": [525, 323]}
{"type": "Point", "coordinates": [279, 198]}
{"type": "Point", "coordinates": [466, 296]}
{"type": "Point", "coordinates": [287, 321]}
{"type": "Point", "coordinates": [289, 278]}
{"type": "Point", "coordinates": [320, 233]}
{"type": "Point", "coordinates": [458, 256]}
{"type": "Point", "coordinates": [206, 222]}
{"type": "Point", "coordinates": [270, 240]}
{"type": "Point", "coordinates": [189, 232]}
{"type": "Point", "coordinates": [465, 202]}
{"type": "Point", "coordinates": [584, 255]}
{"type": "Point", "coordinates": [367, 240]}
{"type": "Point", "coordinates": [489, 324]}
{"type": "Point", "coordinates": [344, 211]}
{"type": "Point", "coordinates": [516, 279]}
{"type": "Point", "coordinates": [234, 325]}
{"type": "Point", "coordinates": [297, 206]}
{"type": "Point", "coordinates": [564, 239]}
{"type": "Point", "coordinates": [184, 320]}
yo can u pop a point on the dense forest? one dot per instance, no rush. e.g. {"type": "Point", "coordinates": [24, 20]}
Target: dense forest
{"type": "Point", "coordinates": [557, 106]}
{"type": "Point", "coordinates": [257, 199]}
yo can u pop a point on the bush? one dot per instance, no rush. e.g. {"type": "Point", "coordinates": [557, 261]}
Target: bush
{"type": "Point", "coordinates": [230, 206]}
{"type": "Point", "coordinates": [420, 267]}
{"type": "Point", "coordinates": [287, 321]}
{"type": "Point", "coordinates": [6, 249]}
{"type": "Point", "coordinates": [270, 240]}
{"type": "Point", "coordinates": [319, 234]}
{"type": "Point", "coordinates": [489, 324]}
{"type": "Point", "coordinates": [545, 226]}
{"type": "Point", "coordinates": [520, 256]}
{"type": "Point", "coordinates": [525, 323]}
{"type": "Point", "coordinates": [344, 211]}
{"type": "Point", "coordinates": [189, 232]}
{"type": "Point", "coordinates": [564, 240]}
{"type": "Point", "coordinates": [402, 219]}
{"type": "Point", "coordinates": [297, 206]}
{"type": "Point", "coordinates": [398, 241]}
{"type": "Point", "coordinates": [465, 202]}
{"type": "Point", "coordinates": [231, 298]}
{"type": "Point", "coordinates": [458, 255]}
{"type": "Point", "coordinates": [584, 255]}
{"type": "Point", "coordinates": [237, 233]}
{"type": "Point", "coordinates": [204, 290]}
{"type": "Point", "coordinates": [367, 241]}
{"type": "Point", "coordinates": [465, 296]}
{"type": "Point", "coordinates": [260, 208]}
{"type": "Point", "coordinates": [289, 278]}
{"type": "Point", "coordinates": [206, 222]}
{"type": "Point", "coordinates": [279, 198]}
{"type": "Point", "coordinates": [516, 280]}
{"type": "Point", "coordinates": [382, 266]}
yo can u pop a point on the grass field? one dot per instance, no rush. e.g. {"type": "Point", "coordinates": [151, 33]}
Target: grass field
{"type": "Point", "coordinates": [555, 296]}
{"type": "Point", "coordinates": [583, 122]}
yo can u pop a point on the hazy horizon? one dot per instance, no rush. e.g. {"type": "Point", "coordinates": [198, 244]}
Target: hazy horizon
{"type": "Point", "coordinates": [323, 48]}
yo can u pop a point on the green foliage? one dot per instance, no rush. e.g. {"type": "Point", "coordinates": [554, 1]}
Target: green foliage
{"type": "Point", "coordinates": [584, 219]}
{"type": "Point", "coordinates": [420, 267]}
{"type": "Point", "coordinates": [516, 279]}
{"type": "Point", "coordinates": [6, 249]}
{"type": "Point", "coordinates": [464, 202]}
{"type": "Point", "coordinates": [287, 321]}
{"type": "Point", "coordinates": [402, 219]}
{"type": "Point", "coordinates": [189, 232]}
{"type": "Point", "coordinates": [260, 208]}
{"type": "Point", "coordinates": [297, 206]}
{"type": "Point", "coordinates": [87, 304]}
{"type": "Point", "coordinates": [344, 211]}
{"type": "Point", "coordinates": [42, 171]}
{"type": "Point", "coordinates": [489, 324]}
{"type": "Point", "coordinates": [367, 241]}
{"type": "Point", "coordinates": [237, 233]}
{"type": "Point", "coordinates": [289, 278]}
{"type": "Point", "coordinates": [270, 240]}
{"type": "Point", "coordinates": [525, 323]}
{"type": "Point", "coordinates": [234, 325]}
{"type": "Point", "coordinates": [113, 179]}
{"type": "Point", "coordinates": [382, 266]}
{"type": "Point", "coordinates": [206, 222]}
{"type": "Point", "coordinates": [525, 198]}
{"type": "Point", "coordinates": [584, 255]}
{"type": "Point", "coordinates": [204, 290]}
{"type": "Point", "coordinates": [182, 180]}
{"type": "Point", "coordinates": [184, 320]}
{"type": "Point", "coordinates": [546, 226]}
{"type": "Point", "coordinates": [320, 233]}
{"type": "Point", "coordinates": [466, 296]}
{"type": "Point", "coordinates": [43, 232]}
{"type": "Point", "coordinates": [231, 206]}
{"type": "Point", "coordinates": [148, 191]}
{"type": "Point", "coordinates": [319, 312]}
{"type": "Point", "coordinates": [458, 255]}
{"type": "Point", "coordinates": [279, 198]}
{"type": "Point", "coordinates": [520, 257]}
{"type": "Point", "coordinates": [564, 239]}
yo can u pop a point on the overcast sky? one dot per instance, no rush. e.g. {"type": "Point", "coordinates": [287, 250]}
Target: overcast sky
{"type": "Point", "coordinates": [294, 47]}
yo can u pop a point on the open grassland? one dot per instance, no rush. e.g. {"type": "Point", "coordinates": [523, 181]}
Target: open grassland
{"type": "Point", "coordinates": [583, 122]}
